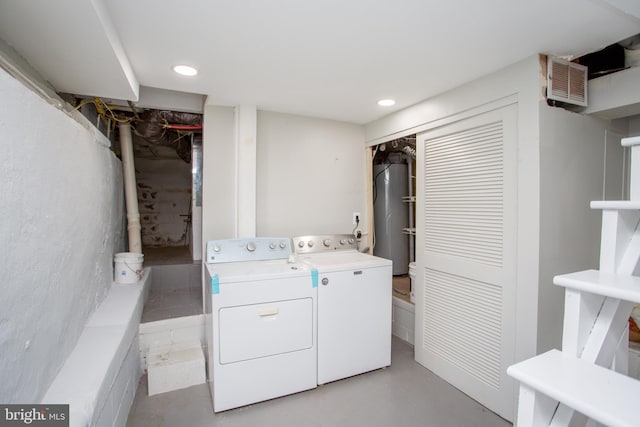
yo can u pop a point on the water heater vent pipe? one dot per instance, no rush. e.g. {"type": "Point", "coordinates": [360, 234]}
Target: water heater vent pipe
{"type": "Point", "coordinates": [130, 192]}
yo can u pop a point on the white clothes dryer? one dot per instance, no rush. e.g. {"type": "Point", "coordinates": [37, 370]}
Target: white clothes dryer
{"type": "Point", "coordinates": [354, 305]}
{"type": "Point", "coordinates": [260, 310]}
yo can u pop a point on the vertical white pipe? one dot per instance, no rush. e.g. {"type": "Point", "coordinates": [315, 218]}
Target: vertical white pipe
{"type": "Point", "coordinates": [130, 192]}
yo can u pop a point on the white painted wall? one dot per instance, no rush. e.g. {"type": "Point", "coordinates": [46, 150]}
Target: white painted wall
{"type": "Point", "coordinates": [311, 175]}
{"type": "Point", "coordinates": [634, 125]}
{"type": "Point", "coordinates": [246, 117]}
{"type": "Point", "coordinates": [62, 221]}
{"type": "Point", "coordinates": [218, 174]}
{"type": "Point", "coordinates": [572, 160]}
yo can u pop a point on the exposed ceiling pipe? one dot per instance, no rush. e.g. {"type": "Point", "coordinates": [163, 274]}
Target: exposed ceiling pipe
{"type": "Point", "coordinates": [409, 150]}
{"type": "Point", "coordinates": [169, 128]}
{"type": "Point", "coordinates": [130, 191]}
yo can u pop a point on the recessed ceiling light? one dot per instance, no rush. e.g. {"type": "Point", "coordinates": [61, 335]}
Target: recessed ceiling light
{"type": "Point", "coordinates": [386, 102]}
{"type": "Point", "coordinates": [185, 70]}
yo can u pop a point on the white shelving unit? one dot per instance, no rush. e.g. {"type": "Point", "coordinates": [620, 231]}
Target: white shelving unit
{"type": "Point", "coordinates": [588, 379]}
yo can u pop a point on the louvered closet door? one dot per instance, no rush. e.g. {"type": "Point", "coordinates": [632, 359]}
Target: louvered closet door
{"type": "Point", "coordinates": [466, 213]}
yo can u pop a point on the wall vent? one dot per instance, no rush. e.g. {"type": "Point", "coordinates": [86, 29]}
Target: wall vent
{"type": "Point", "coordinates": [566, 81]}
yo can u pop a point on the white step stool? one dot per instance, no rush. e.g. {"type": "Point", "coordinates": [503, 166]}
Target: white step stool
{"type": "Point", "coordinates": [179, 366]}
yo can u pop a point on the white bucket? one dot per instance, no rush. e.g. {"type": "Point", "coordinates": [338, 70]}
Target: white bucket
{"type": "Point", "coordinates": [412, 276]}
{"type": "Point", "coordinates": [128, 267]}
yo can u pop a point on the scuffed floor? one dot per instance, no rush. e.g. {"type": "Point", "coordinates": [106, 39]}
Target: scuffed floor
{"type": "Point", "coordinates": [404, 394]}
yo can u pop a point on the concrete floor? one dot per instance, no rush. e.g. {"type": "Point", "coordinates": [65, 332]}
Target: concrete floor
{"type": "Point", "coordinates": [405, 394]}
{"type": "Point", "coordinates": [172, 303]}
{"type": "Point", "coordinates": [176, 291]}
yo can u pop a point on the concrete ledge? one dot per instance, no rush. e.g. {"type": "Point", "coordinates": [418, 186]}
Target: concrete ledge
{"type": "Point", "coordinates": [403, 320]}
{"type": "Point", "coordinates": [96, 379]}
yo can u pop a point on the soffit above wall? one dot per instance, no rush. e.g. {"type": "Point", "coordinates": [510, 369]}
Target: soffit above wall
{"type": "Point", "coordinates": [72, 43]}
{"type": "Point", "coordinates": [611, 97]}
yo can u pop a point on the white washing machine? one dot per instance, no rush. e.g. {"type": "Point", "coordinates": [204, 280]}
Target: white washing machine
{"type": "Point", "coordinates": [354, 305]}
{"type": "Point", "coordinates": [260, 321]}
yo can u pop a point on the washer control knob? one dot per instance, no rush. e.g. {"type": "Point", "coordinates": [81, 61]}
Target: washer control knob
{"type": "Point", "coordinates": [272, 245]}
{"type": "Point", "coordinates": [283, 245]}
{"type": "Point", "coordinates": [310, 244]}
{"type": "Point", "coordinates": [216, 248]}
{"type": "Point", "coordinates": [301, 244]}
{"type": "Point", "coordinates": [351, 241]}
{"type": "Point", "coordinates": [326, 242]}
{"type": "Point", "coordinates": [325, 281]}
{"type": "Point", "coordinates": [343, 241]}
{"type": "Point", "coordinates": [251, 246]}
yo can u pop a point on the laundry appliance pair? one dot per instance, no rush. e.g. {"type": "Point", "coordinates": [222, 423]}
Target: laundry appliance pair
{"type": "Point", "coordinates": [280, 322]}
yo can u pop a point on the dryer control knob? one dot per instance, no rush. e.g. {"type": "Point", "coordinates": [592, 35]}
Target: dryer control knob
{"type": "Point", "coordinates": [283, 245]}
{"type": "Point", "coordinates": [327, 242]}
{"type": "Point", "coordinates": [301, 244]}
{"type": "Point", "coordinates": [351, 241]}
{"type": "Point", "coordinates": [343, 241]}
{"type": "Point", "coordinates": [216, 248]}
{"type": "Point", "coordinates": [251, 246]}
{"type": "Point", "coordinates": [310, 244]}
{"type": "Point", "coordinates": [272, 245]}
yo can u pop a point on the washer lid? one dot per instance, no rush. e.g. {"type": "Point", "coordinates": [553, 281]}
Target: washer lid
{"type": "Point", "coordinates": [257, 270]}
{"type": "Point", "coordinates": [343, 260]}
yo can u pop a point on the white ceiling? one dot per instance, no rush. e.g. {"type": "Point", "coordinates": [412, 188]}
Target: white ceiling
{"type": "Point", "coordinates": [329, 58]}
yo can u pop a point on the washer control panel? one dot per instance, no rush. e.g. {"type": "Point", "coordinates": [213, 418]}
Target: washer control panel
{"type": "Point", "coordinates": [249, 249]}
{"type": "Point", "coordinates": [324, 243]}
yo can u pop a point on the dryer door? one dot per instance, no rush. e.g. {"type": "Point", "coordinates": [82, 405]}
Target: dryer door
{"type": "Point", "coordinates": [260, 330]}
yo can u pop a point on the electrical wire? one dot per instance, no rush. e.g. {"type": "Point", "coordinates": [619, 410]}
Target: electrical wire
{"type": "Point", "coordinates": [375, 187]}
{"type": "Point", "coordinates": [105, 111]}
{"type": "Point", "coordinates": [375, 197]}
{"type": "Point", "coordinates": [133, 109]}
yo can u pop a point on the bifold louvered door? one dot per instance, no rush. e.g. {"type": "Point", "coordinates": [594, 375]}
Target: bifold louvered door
{"type": "Point", "coordinates": [466, 243]}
